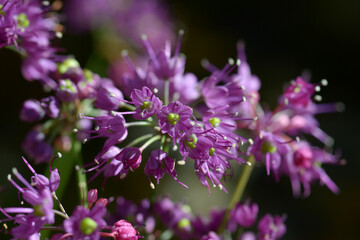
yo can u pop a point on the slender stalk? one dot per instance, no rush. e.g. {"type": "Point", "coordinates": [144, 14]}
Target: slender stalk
{"type": "Point", "coordinates": [139, 139]}
{"type": "Point", "coordinates": [59, 203]}
{"type": "Point", "coordinates": [166, 92]}
{"type": "Point", "coordinates": [60, 214]}
{"type": "Point", "coordinates": [127, 106]}
{"type": "Point", "coordinates": [138, 123]}
{"type": "Point", "coordinates": [149, 142]}
{"type": "Point", "coordinates": [81, 178]}
{"type": "Point", "coordinates": [239, 190]}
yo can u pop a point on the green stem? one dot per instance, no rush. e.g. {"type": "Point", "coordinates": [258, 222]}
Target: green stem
{"type": "Point", "coordinates": [166, 92]}
{"type": "Point", "coordinates": [59, 203]}
{"type": "Point", "coordinates": [81, 177]}
{"type": "Point", "coordinates": [138, 123]}
{"type": "Point", "coordinates": [139, 139]}
{"type": "Point", "coordinates": [60, 214]}
{"type": "Point", "coordinates": [243, 180]}
{"type": "Point", "coordinates": [127, 106]}
{"type": "Point", "coordinates": [150, 141]}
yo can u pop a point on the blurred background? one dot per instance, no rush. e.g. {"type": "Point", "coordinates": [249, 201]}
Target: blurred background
{"type": "Point", "coordinates": [283, 39]}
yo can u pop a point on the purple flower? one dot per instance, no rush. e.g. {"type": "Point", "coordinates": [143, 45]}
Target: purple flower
{"type": "Point", "coordinates": [174, 119]}
{"type": "Point", "coordinates": [298, 94]}
{"type": "Point", "coordinates": [305, 167]}
{"type": "Point", "coordinates": [243, 215]}
{"type": "Point", "coordinates": [67, 91]}
{"type": "Point", "coordinates": [108, 96]}
{"type": "Point", "coordinates": [110, 126]}
{"type": "Point", "coordinates": [210, 236]}
{"type": "Point", "coordinates": [147, 104]}
{"type": "Point", "coordinates": [271, 227]}
{"type": "Point", "coordinates": [31, 111]}
{"type": "Point", "coordinates": [158, 164]}
{"type": "Point", "coordinates": [51, 106]}
{"type": "Point", "coordinates": [123, 230]}
{"type": "Point", "coordinates": [36, 148]}
{"type": "Point", "coordinates": [30, 219]}
{"type": "Point", "coordinates": [163, 65]}
{"type": "Point", "coordinates": [85, 223]}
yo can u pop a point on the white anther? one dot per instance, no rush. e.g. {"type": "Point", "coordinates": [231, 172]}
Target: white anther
{"type": "Point", "coordinates": [45, 3]}
{"type": "Point", "coordinates": [144, 37]}
{"type": "Point", "coordinates": [157, 128]}
{"type": "Point", "coordinates": [260, 135]}
{"type": "Point", "coordinates": [77, 168]}
{"type": "Point", "coordinates": [236, 114]}
{"type": "Point", "coordinates": [221, 187]}
{"type": "Point", "coordinates": [15, 171]}
{"type": "Point", "coordinates": [251, 141]}
{"type": "Point", "coordinates": [242, 143]}
{"type": "Point", "coordinates": [286, 101]}
{"type": "Point", "coordinates": [181, 32]}
{"type": "Point", "coordinates": [21, 202]}
{"type": "Point", "coordinates": [255, 118]}
{"type": "Point", "coordinates": [244, 99]}
{"type": "Point", "coordinates": [248, 163]}
{"type": "Point", "coordinates": [324, 82]}
{"type": "Point", "coordinates": [113, 113]}
{"type": "Point", "coordinates": [75, 130]}
{"type": "Point", "coordinates": [79, 115]}
{"type": "Point", "coordinates": [59, 155]}
{"type": "Point", "coordinates": [204, 62]}
{"type": "Point", "coordinates": [318, 98]}
{"type": "Point", "coordinates": [181, 162]}
{"type": "Point", "coordinates": [9, 177]}
{"type": "Point", "coordinates": [317, 89]}
{"type": "Point", "coordinates": [242, 87]}
{"type": "Point", "coordinates": [112, 95]}
{"type": "Point", "coordinates": [5, 226]}
{"type": "Point", "coordinates": [85, 140]}
{"type": "Point", "coordinates": [96, 161]}
{"type": "Point", "coordinates": [231, 61]}
{"type": "Point", "coordinates": [150, 119]}
{"type": "Point", "coordinates": [123, 176]}
{"type": "Point", "coordinates": [59, 34]}
{"type": "Point", "coordinates": [97, 128]}
{"type": "Point", "coordinates": [329, 141]}
{"type": "Point", "coordinates": [339, 106]}
{"type": "Point", "coordinates": [297, 139]}
{"type": "Point", "coordinates": [238, 62]}
{"type": "Point", "coordinates": [192, 123]}
{"type": "Point", "coordinates": [152, 185]}
{"type": "Point", "coordinates": [155, 90]}
{"type": "Point", "coordinates": [175, 148]}
{"type": "Point", "coordinates": [124, 53]}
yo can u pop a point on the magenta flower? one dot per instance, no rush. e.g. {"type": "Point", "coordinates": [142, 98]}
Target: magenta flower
{"type": "Point", "coordinates": [31, 111]}
{"type": "Point", "coordinates": [271, 227]}
{"type": "Point", "coordinates": [174, 119]}
{"type": "Point", "coordinates": [108, 96]}
{"type": "Point", "coordinates": [85, 223]}
{"type": "Point", "coordinates": [243, 215]}
{"type": "Point", "coordinates": [147, 104]}
{"type": "Point", "coordinates": [158, 164]}
{"type": "Point", "coordinates": [123, 230]}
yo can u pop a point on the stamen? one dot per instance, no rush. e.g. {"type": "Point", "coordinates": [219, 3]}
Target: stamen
{"type": "Point", "coordinates": [318, 98]}
{"type": "Point", "coordinates": [75, 130]}
{"type": "Point", "coordinates": [181, 162]}
{"type": "Point", "coordinates": [317, 89]}
{"type": "Point", "coordinates": [251, 141]}
{"type": "Point", "coordinates": [324, 82]}
{"type": "Point", "coordinates": [152, 185]}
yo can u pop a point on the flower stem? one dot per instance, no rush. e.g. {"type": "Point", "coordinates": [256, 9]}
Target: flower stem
{"type": "Point", "coordinates": [240, 187]}
{"type": "Point", "coordinates": [166, 92]}
{"type": "Point", "coordinates": [139, 139]}
{"type": "Point", "coordinates": [138, 123]}
{"type": "Point", "coordinates": [150, 141]}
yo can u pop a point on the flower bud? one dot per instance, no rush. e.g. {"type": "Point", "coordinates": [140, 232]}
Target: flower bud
{"type": "Point", "coordinates": [124, 231]}
{"type": "Point", "coordinates": [67, 91]}
{"type": "Point", "coordinates": [31, 111]}
{"type": "Point", "coordinates": [92, 196]}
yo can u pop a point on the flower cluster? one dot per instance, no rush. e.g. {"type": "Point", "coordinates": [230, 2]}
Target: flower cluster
{"type": "Point", "coordinates": [183, 119]}
{"type": "Point", "coordinates": [184, 224]}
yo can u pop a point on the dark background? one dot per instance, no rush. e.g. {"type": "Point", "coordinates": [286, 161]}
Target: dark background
{"type": "Point", "coordinates": [283, 38]}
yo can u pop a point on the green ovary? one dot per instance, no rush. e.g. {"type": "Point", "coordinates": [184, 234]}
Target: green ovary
{"type": "Point", "coordinates": [88, 226]}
